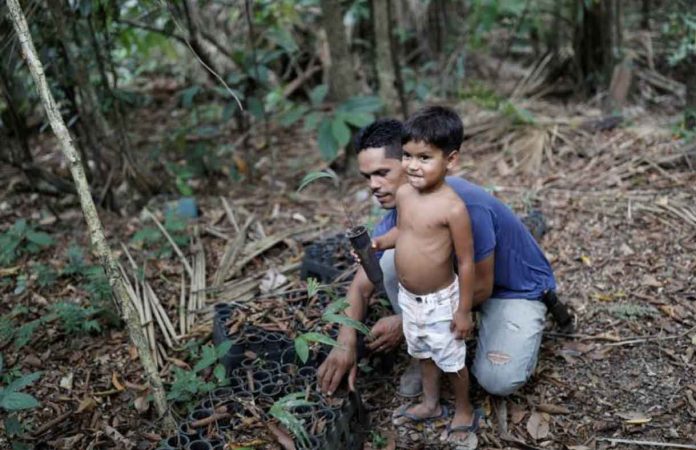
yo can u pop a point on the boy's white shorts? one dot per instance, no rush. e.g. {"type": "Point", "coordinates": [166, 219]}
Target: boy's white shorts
{"type": "Point", "coordinates": [426, 322]}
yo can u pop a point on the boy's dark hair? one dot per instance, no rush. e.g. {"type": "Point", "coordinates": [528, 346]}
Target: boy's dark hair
{"type": "Point", "coordinates": [437, 126]}
{"type": "Point", "coordinates": [381, 133]}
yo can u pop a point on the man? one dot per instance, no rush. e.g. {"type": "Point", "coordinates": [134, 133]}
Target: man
{"type": "Point", "coordinates": [511, 277]}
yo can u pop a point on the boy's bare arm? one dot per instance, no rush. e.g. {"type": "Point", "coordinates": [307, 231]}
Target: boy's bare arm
{"type": "Point", "coordinates": [386, 241]}
{"type": "Point", "coordinates": [463, 242]}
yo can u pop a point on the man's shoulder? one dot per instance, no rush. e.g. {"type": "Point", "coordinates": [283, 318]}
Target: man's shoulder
{"type": "Point", "coordinates": [472, 194]}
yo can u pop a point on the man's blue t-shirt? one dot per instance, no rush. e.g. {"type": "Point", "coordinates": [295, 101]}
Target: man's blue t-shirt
{"type": "Point", "coordinates": [521, 269]}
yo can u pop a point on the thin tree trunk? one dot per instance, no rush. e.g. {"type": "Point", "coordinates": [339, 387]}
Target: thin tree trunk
{"type": "Point", "coordinates": [94, 225]}
{"type": "Point", "coordinates": [341, 81]}
{"type": "Point", "coordinates": [383, 57]}
{"type": "Point", "coordinates": [690, 107]}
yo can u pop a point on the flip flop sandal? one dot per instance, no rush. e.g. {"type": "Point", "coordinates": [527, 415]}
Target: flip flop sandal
{"type": "Point", "coordinates": [470, 442]}
{"type": "Point", "coordinates": [402, 417]}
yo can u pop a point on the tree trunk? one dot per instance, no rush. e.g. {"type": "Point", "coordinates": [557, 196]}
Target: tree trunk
{"type": "Point", "coordinates": [645, 15]}
{"type": "Point", "coordinates": [342, 84]}
{"type": "Point", "coordinates": [598, 41]}
{"type": "Point", "coordinates": [94, 225]}
{"type": "Point", "coordinates": [384, 58]}
{"type": "Point", "coordinates": [690, 82]}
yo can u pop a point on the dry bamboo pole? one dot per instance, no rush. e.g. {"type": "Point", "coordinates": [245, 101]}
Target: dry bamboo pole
{"type": "Point", "coordinates": [163, 320]}
{"type": "Point", "coordinates": [176, 248]}
{"type": "Point", "coordinates": [182, 306]}
{"type": "Point", "coordinates": [89, 210]}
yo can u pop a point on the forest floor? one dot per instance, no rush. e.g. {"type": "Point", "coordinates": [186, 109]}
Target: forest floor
{"type": "Point", "coordinates": [621, 210]}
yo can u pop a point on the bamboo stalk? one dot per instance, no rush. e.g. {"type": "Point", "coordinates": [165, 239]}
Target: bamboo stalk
{"type": "Point", "coordinates": [176, 248]}
{"type": "Point", "coordinates": [168, 328]}
{"type": "Point", "coordinates": [182, 306]}
{"type": "Point", "coordinates": [147, 299]}
{"type": "Point", "coordinates": [230, 214]}
{"type": "Point", "coordinates": [147, 323]}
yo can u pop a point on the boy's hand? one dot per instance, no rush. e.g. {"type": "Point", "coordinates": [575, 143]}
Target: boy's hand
{"type": "Point", "coordinates": [462, 324]}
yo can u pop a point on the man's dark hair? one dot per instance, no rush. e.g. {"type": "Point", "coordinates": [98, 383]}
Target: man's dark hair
{"type": "Point", "coordinates": [381, 133]}
{"type": "Point", "coordinates": [437, 126]}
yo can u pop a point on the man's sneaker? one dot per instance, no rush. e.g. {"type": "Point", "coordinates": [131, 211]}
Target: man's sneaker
{"type": "Point", "coordinates": [411, 383]}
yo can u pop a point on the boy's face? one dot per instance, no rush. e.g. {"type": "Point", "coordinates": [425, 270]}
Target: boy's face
{"type": "Point", "coordinates": [384, 175]}
{"type": "Point", "coordinates": [426, 165]}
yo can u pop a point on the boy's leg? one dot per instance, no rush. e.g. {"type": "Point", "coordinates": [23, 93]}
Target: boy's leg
{"type": "Point", "coordinates": [509, 337]}
{"type": "Point", "coordinates": [463, 410]}
{"type": "Point", "coordinates": [410, 382]}
{"type": "Point", "coordinates": [430, 406]}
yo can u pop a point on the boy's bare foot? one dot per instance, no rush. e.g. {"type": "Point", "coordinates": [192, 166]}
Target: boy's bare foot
{"type": "Point", "coordinates": [461, 432]}
{"type": "Point", "coordinates": [418, 413]}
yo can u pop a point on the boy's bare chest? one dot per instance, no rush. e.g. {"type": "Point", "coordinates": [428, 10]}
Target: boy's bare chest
{"type": "Point", "coordinates": [422, 217]}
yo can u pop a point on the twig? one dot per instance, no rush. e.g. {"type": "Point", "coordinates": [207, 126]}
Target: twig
{"type": "Point", "coordinates": [230, 214]}
{"type": "Point", "coordinates": [231, 251]}
{"type": "Point", "coordinates": [51, 423]}
{"type": "Point", "coordinates": [647, 443]}
{"type": "Point", "coordinates": [650, 338]}
{"type": "Point", "coordinates": [171, 241]}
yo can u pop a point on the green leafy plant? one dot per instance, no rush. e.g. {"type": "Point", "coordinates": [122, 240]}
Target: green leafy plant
{"type": "Point", "coordinates": [334, 127]}
{"type": "Point", "coordinates": [189, 384]}
{"type": "Point", "coordinates": [378, 440]}
{"type": "Point", "coordinates": [92, 279]}
{"type": "Point", "coordinates": [332, 314]}
{"type": "Point", "coordinates": [152, 238]}
{"type": "Point", "coordinates": [281, 410]}
{"type": "Point", "coordinates": [21, 239]}
{"type": "Point", "coordinates": [13, 400]}
{"type": "Point", "coordinates": [76, 319]}
{"type": "Point", "coordinates": [45, 275]}
{"type": "Point", "coordinates": [631, 311]}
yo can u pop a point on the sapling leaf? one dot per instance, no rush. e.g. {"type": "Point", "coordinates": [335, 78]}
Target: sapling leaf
{"type": "Point", "coordinates": [302, 348]}
{"type": "Point", "coordinates": [347, 321]}
{"type": "Point", "coordinates": [312, 287]}
{"type": "Point", "coordinates": [337, 306]}
{"type": "Point", "coordinates": [318, 337]}
{"type": "Point", "coordinates": [311, 177]}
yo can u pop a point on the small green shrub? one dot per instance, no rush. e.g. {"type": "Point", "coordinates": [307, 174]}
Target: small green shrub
{"type": "Point", "coordinates": [22, 239]}
{"type": "Point", "coordinates": [187, 385]}
{"type": "Point", "coordinates": [152, 239]}
{"type": "Point", "coordinates": [75, 319]}
{"type": "Point", "coordinates": [13, 400]}
{"type": "Point", "coordinates": [631, 311]}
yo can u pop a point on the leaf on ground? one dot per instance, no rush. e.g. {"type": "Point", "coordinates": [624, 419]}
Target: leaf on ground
{"type": "Point", "coordinates": [634, 417]}
{"type": "Point", "coordinates": [86, 404]}
{"type": "Point", "coordinates": [117, 384]}
{"type": "Point", "coordinates": [517, 413]}
{"type": "Point", "coordinates": [281, 436]}
{"type": "Point", "coordinates": [538, 425]}
{"type": "Point", "coordinates": [552, 409]}
{"type": "Point", "coordinates": [142, 404]}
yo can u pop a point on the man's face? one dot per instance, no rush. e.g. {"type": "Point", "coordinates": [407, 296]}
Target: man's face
{"type": "Point", "coordinates": [384, 175]}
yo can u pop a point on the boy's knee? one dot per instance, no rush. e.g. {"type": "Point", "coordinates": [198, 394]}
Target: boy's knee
{"type": "Point", "coordinates": [497, 376]}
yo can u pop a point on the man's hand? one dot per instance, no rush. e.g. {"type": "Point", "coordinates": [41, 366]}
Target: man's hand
{"type": "Point", "coordinates": [386, 334]}
{"type": "Point", "coordinates": [462, 324]}
{"type": "Point", "coordinates": [331, 372]}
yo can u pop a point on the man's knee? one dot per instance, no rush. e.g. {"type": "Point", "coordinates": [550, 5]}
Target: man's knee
{"type": "Point", "coordinates": [497, 375]}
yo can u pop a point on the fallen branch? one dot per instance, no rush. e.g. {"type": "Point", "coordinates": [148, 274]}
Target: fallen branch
{"type": "Point", "coordinates": [647, 443]}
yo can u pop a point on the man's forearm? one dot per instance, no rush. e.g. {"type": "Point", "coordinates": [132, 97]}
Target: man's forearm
{"type": "Point", "coordinates": [358, 297]}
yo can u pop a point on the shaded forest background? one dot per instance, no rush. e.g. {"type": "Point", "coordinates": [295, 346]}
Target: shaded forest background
{"type": "Point", "coordinates": [196, 120]}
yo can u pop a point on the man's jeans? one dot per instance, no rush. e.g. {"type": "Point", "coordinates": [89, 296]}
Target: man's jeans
{"type": "Point", "coordinates": [508, 340]}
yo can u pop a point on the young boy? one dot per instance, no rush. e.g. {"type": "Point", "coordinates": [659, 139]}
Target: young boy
{"type": "Point", "coordinates": [433, 227]}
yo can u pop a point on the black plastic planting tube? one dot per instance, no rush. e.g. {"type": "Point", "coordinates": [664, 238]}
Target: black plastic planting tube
{"type": "Point", "coordinates": [179, 440]}
{"type": "Point", "coordinates": [199, 444]}
{"type": "Point", "coordinates": [360, 240]}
